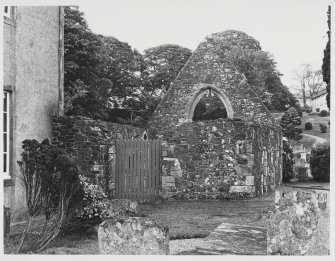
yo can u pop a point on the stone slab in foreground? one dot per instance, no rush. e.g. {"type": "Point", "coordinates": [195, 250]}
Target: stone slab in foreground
{"type": "Point", "coordinates": [133, 236]}
{"type": "Point", "coordinates": [300, 223]}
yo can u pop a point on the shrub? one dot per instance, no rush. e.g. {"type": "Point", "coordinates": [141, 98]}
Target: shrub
{"type": "Point", "coordinates": [299, 111]}
{"type": "Point", "coordinates": [50, 178]}
{"type": "Point", "coordinates": [317, 109]}
{"type": "Point", "coordinates": [287, 161]}
{"type": "Point", "coordinates": [288, 122]}
{"type": "Point", "coordinates": [94, 201]}
{"type": "Point", "coordinates": [323, 113]}
{"type": "Point", "coordinates": [308, 109]}
{"type": "Point", "coordinates": [323, 127]}
{"type": "Point", "coordinates": [308, 126]}
{"type": "Point", "coordinates": [320, 162]}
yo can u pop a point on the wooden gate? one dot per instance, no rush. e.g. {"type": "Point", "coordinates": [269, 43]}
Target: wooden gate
{"type": "Point", "coordinates": [137, 175]}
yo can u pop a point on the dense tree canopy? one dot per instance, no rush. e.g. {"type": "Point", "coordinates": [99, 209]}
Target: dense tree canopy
{"type": "Point", "coordinates": [162, 65]}
{"type": "Point", "coordinates": [261, 72]}
{"type": "Point", "coordinates": [109, 80]}
{"type": "Point", "coordinates": [84, 60]}
{"type": "Point", "coordinates": [100, 72]}
{"type": "Point", "coordinates": [326, 60]}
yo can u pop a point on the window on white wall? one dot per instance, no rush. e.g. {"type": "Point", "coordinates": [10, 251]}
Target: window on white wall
{"type": "Point", "coordinates": [8, 11]}
{"type": "Point", "coordinates": [6, 135]}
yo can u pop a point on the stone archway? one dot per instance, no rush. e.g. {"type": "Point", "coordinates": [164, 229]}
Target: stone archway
{"type": "Point", "coordinates": [200, 92]}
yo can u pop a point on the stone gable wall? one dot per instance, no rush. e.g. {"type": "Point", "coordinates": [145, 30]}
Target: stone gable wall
{"type": "Point", "coordinates": [92, 144]}
{"type": "Point", "coordinates": [209, 68]}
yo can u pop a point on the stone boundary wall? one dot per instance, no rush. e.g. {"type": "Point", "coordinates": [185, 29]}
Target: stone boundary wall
{"type": "Point", "coordinates": [92, 143]}
{"type": "Point", "coordinates": [200, 160]}
{"type": "Point", "coordinates": [300, 224]}
{"type": "Point", "coordinates": [219, 159]}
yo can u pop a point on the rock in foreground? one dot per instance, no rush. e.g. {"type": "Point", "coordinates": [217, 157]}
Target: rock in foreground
{"type": "Point", "coordinates": [133, 236]}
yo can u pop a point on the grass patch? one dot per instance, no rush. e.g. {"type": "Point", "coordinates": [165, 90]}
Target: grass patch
{"type": "Point", "coordinates": [185, 219]}
{"type": "Point", "coordinates": [316, 120]}
{"type": "Point", "coordinates": [197, 219]}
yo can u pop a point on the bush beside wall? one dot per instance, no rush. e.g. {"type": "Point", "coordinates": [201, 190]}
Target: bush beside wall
{"type": "Point", "coordinates": [320, 162]}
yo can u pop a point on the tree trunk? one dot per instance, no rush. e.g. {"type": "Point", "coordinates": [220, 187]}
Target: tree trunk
{"type": "Point", "coordinates": [304, 98]}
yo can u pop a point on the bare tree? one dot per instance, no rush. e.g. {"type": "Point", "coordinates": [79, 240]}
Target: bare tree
{"type": "Point", "coordinates": [310, 81]}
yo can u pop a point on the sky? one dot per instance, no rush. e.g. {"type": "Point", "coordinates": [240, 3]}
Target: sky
{"type": "Point", "coordinates": [293, 31]}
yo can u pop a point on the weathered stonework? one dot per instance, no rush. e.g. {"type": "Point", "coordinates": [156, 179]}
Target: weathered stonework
{"type": "Point", "coordinates": [210, 160]}
{"type": "Point", "coordinates": [92, 143]}
{"type": "Point", "coordinates": [235, 157]}
{"type": "Point", "coordinates": [133, 236]}
{"type": "Point", "coordinates": [239, 156]}
{"type": "Point", "coordinates": [121, 207]}
{"type": "Point", "coordinates": [300, 224]}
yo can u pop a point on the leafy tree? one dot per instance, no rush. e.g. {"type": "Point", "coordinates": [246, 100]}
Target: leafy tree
{"type": "Point", "coordinates": [83, 60]}
{"type": "Point", "coordinates": [101, 73]}
{"type": "Point", "coordinates": [261, 72]}
{"type": "Point", "coordinates": [162, 65]}
{"type": "Point", "coordinates": [310, 81]}
{"type": "Point", "coordinates": [124, 67]}
{"type": "Point", "coordinates": [320, 162]}
{"type": "Point", "coordinates": [326, 61]}
{"type": "Point", "coordinates": [281, 96]}
{"type": "Point", "coordinates": [159, 67]}
{"type": "Point", "coordinates": [288, 122]}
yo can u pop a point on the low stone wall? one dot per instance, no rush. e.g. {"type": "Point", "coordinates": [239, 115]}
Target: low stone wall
{"type": "Point", "coordinates": [219, 159]}
{"type": "Point", "coordinates": [200, 160]}
{"type": "Point", "coordinates": [300, 224]}
{"type": "Point", "coordinates": [92, 143]}
{"type": "Point", "coordinates": [133, 236]}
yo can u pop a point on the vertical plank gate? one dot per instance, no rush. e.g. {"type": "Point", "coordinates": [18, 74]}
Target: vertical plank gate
{"type": "Point", "coordinates": [137, 175]}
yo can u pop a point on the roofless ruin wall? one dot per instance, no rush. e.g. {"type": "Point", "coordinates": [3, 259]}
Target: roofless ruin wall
{"type": "Point", "coordinates": [239, 156]}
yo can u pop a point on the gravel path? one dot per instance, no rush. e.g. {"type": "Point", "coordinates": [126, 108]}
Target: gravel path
{"type": "Point", "coordinates": [226, 239]}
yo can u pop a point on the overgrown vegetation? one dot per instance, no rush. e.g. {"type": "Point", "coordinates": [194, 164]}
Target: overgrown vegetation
{"type": "Point", "coordinates": [323, 127]}
{"type": "Point", "coordinates": [323, 113]}
{"type": "Point", "coordinates": [326, 59]}
{"type": "Point", "coordinates": [50, 178]}
{"type": "Point", "coordinates": [289, 121]}
{"type": "Point", "coordinates": [55, 190]}
{"type": "Point", "coordinates": [107, 79]}
{"type": "Point", "coordinates": [320, 162]}
{"type": "Point", "coordinates": [288, 161]}
{"type": "Point", "coordinates": [308, 126]}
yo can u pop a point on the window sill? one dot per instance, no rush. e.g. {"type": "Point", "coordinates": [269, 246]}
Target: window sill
{"type": "Point", "coordinates": [7, 181]}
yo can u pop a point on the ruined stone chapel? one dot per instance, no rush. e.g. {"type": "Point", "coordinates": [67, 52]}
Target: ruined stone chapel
{"type": "Point", "coordinates": [237, 154]}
